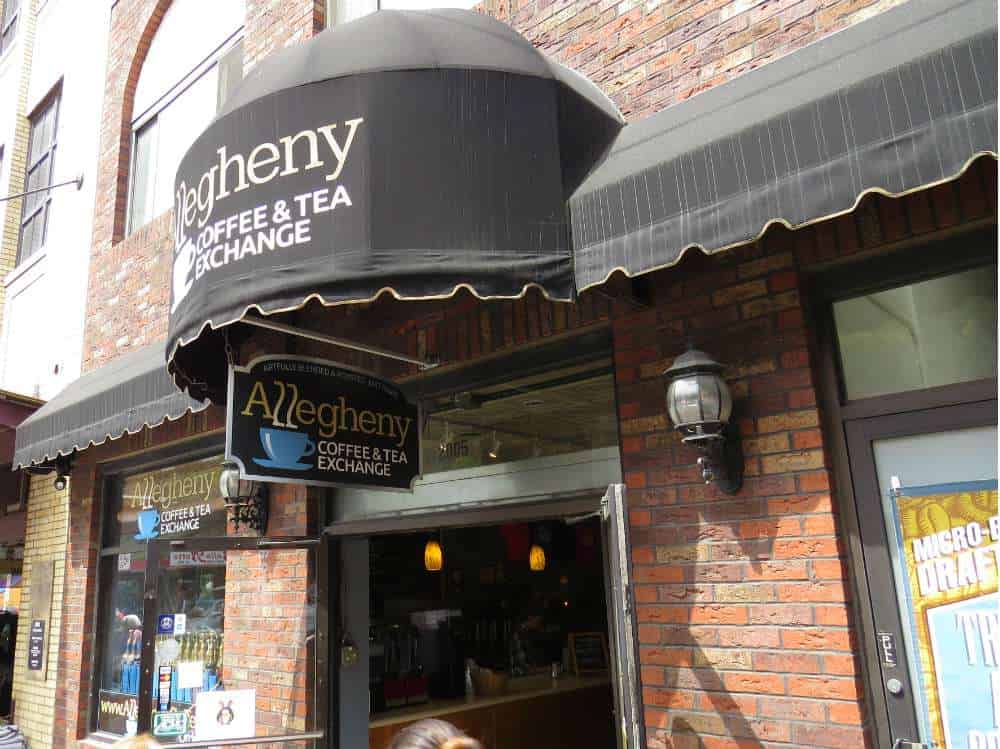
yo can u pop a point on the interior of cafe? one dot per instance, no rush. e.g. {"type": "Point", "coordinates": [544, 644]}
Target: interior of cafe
{"type": "Point", "coordinates": [501, 629]}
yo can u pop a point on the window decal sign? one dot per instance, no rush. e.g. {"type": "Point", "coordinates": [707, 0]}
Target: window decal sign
{"type": "Point", "coordinates": [309, 421]}
{"type": "Point", "coordinates": [176, 502]}
{"type": "Point", "coordinates": [948, 540]}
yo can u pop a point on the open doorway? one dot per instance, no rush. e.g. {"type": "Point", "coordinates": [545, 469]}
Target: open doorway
{"type": "Point", "coordinates": [500, 629]}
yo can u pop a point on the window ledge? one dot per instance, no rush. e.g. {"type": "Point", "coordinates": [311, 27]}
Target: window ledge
{"type": "Point", "coordinates": [98, 740]}
{"type": "Point", "coordinates": [24, 267]}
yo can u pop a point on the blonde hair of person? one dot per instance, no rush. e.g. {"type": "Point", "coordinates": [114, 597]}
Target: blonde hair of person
{"type": "Point", "coordinates": [142, 741]}
{"type": "Point", "coordinates": [433, 734]}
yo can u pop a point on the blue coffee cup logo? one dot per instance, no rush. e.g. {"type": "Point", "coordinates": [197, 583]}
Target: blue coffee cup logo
{"type": "Point", "coordinates": [148, 522]}
{"type": "Point", "coordinates": [285, 448]}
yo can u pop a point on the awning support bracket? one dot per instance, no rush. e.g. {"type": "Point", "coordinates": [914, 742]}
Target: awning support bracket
{"type": "Point", "coordinates": [312, 335]}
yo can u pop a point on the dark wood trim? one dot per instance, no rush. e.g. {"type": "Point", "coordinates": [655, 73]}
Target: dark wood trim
{"type": "Point", "coordinates": [912, 259]}
{"type": "Point", "coordinates": [936, 397]}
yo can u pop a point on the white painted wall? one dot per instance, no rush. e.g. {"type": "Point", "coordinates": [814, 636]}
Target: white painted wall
{"type": "Point", "coordinates": [42, 336]}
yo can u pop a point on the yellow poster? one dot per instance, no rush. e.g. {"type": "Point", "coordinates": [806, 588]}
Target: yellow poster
{"type": "Point", "coordinates": [949, 539]}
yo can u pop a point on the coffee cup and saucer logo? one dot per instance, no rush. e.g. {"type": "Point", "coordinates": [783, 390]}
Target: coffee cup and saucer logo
{"type": "Point", "coordinates": [149, 525]}
{"type": "Point", "coordinates": [285, 449]}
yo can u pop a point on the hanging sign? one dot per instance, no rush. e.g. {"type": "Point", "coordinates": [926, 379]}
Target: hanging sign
{"type": "Point", "coordinates": [949, 546]}
{"type": "Point", "coordinates": [308, 421]}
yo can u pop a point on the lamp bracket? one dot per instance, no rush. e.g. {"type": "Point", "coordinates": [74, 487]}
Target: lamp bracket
{"type": "Point", "coordinates": [722, 459]}
{"type": "Point", "coordinates": [250, 512]}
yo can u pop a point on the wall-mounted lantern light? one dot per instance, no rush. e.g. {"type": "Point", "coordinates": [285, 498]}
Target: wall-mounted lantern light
{"type": "Point", "coordinates": [246, 501]}
{"type": "Point", "coordinates": [700, 406]}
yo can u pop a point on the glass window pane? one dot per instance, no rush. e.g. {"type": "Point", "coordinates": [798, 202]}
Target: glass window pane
{"type": "Point", "coordinates": [230, 72]}
{"type": "Point", "coordinates": [921, 335]}
{"type": "Point", "coordinates": [27, 240]}
{"type": "Point", "coordinates": [180, 123]}
{"type": "Point", "coordinates": [121, 625]}
{"type": "Point", "coordinates": [144, 166]}
{"type": "Point", "coordinates": [560, 412]}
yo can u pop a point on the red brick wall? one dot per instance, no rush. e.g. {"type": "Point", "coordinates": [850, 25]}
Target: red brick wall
{"type": "Point", "coordinates": [647, 56]}
{"type": "Point", "coordinates": [128, 294]}
{"type": "Point", "coordinates": [269, 616]}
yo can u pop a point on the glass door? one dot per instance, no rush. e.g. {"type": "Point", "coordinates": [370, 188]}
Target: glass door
{"type": "Point", "coordinates": [926, 489]}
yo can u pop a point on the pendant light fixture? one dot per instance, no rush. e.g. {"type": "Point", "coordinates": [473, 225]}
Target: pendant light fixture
{"type": "Point", "coordinates": [536, 558]}
{"type": "Point", "coordinates": [433, 556]}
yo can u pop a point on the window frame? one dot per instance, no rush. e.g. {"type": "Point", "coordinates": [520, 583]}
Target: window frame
{"type": "Point", "coordinates": [150, 115]}
{"type": "Point", "coordinates": [51, 102]}
{"type": "Point", "coordinates": [9, 26]}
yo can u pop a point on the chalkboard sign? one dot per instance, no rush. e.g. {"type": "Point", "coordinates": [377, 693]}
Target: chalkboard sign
{"type": "Point", "coordinates": [36, 645]}
{"type": "Point", "coordinates": [588, 652]}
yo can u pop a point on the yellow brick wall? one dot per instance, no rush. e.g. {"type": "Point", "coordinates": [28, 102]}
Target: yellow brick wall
{"type": "Point", "coordinates": [45, 539]}
{"type": "Point", "coordinates": [16, 153]}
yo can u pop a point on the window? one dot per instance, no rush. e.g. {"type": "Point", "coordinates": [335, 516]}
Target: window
{"type": "Point", "coordinates": [8, 24]}
{"type": "Point", "coordinates": [161, 137]}
{"type": "Point", "coordinates": [41, 152]}
{"type": "Point", "coordinates": [921, 335]}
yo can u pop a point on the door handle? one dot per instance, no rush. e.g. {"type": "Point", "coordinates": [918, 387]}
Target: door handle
{"type": "Point", "coordinates": [894, 686]}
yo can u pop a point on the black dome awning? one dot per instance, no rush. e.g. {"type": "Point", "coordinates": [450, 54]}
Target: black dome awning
{"type": "Point", "coordinates": [409, 152]}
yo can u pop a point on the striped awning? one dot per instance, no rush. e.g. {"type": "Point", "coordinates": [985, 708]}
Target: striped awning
{"type": "Point", "coordinates": [900, 102]}
{"type": "Point", "coordinates": [122, 397]}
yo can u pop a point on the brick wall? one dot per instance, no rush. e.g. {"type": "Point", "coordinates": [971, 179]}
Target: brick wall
{"type": "Point", "coordinates": [647, 56]}
{"type": "Point", "coordinates": [269, 616]}
{"type": "Point", "coordinates": [45, 540]}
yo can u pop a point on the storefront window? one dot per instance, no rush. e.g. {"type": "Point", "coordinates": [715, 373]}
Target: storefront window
{"type": "Point", "coordinates": [565, 411]}
{"type": "Point", "coordinates": [231, 625]}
